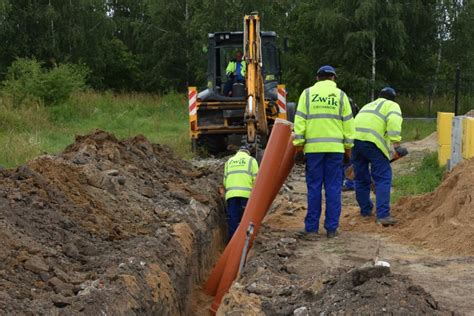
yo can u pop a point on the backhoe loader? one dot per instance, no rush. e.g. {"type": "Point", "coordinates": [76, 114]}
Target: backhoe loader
{"type": "Point", "coordinates": [247, 116]}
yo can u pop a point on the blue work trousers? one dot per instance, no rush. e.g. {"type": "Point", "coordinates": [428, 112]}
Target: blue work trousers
{"type": "Point", "coordinates": [364, 154]}
{"type": "Point", "coordinates": [235, 210]}
{"type": "Point", "coordinates": [323, 168]}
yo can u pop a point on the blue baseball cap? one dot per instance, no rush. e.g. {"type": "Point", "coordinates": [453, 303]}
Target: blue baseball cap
{"type": "Point", "coordinates": [388, 92]}
{"type": "Point", "coordinates": [327, 70]}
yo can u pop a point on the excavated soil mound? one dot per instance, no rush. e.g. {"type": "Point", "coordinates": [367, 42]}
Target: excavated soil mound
{"type": "Point", "coordinates": [106, 227]}
{"type": "Point", "coordinates": [442, 220]}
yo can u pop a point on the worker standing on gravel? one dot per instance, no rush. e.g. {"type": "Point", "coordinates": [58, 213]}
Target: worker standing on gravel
{"type": "Point", "coordinates": [324, 130]}
{"type": "Point", "coordinates": [378, 125]}
{"type": "Point", "coordinates": [240, 172]}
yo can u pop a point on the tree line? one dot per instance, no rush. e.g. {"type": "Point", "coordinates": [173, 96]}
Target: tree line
{"type": "Point", "coordinates": [159, 45]}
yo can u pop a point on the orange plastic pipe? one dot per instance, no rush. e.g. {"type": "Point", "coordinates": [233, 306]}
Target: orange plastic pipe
{"type": "Point", "coordinates": [287, 164]}
{"type": "Point", "coordinates": [265, 189]}
{"type": "Point", "coordinates": [278, 138]}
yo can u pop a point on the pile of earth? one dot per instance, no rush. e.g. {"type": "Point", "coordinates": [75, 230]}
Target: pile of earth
{"type": "Point", "coordinates": [106, 227]}
{"type": "Point", "coordinates": [442, 220]}
{"type": "Point", "coordinates": [270, 285]}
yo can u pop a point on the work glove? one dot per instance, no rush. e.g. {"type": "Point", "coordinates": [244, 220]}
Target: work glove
{"type": "Point", "coordinates": [399, 153]}
{"type": "Point", "coordinates": [299, 156]}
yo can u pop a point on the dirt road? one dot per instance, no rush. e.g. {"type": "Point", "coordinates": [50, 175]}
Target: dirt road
{"type": "Point", "coordinates": [286, 273]}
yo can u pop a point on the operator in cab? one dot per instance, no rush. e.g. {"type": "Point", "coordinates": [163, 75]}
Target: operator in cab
{"type": "Point", "coordinates": [240, 172]}
{"type": "Point", "coordinates": [235, 71]}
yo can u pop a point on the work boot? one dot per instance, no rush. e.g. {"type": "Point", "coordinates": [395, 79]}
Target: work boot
{"type": "Point", "coordinates": [386, 221]}
{"type": "Point", "coordinates": [304, 234]}
{"type": "Point", "coordinates": [332, 234]}
{"type": "Point", "coordinates": [366, 216]}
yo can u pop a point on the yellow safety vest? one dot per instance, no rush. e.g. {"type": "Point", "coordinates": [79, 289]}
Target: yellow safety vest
{"type": "Point", "coordinates": [232, 66]}
{"type": "Point", "coordinates": [323, 121]}
{"type": "Point", "coordinates": [380, 122]}
{"type": "Point", "coordinates": [239, 175]}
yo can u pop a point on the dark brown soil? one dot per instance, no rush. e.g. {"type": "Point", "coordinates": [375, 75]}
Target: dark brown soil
{"type": "Point", "coordinates": [106, 227]}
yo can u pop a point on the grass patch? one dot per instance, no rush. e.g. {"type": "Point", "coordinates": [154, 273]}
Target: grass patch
{"type": "Point", "coordinates": [417, 129]}
{"type": "Point", "coordinates": [425, 179]}
{"type": "Point", "coordinates": [28, 132]}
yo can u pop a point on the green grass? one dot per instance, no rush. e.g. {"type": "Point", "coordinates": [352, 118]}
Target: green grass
{"type": "Point", "coordinates": [418, 106]}
{"type": "Point", "coordinates": [417, 129]}
{"type": "Point", "coordinates": [28, 132]}
{"type": "Point", "coordinates": [425, 179]}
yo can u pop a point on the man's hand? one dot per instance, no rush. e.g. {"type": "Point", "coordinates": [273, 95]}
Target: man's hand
{"type": "Point", "coordinates": [347, 156]}
{"type": "Point", "coordinates": [399, 152]}
{"type": "Point", "coordinates": [221, 191]}
{"type": "Point", "coordinates": [299, 149]}
{"type": "Point", "coordinates": [299, 156]}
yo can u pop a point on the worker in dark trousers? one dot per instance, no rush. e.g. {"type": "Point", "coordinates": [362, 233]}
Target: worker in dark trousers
{"type": "Point", "coordinates": [378, 126]}
{"type": "Point", "coordinates": [240, 172]}
{"type": "Point", "coordinates": [235, 72]}
{"type": "Point", "coordinates": [324, 130]}
{"type": "Point", "coordinates": [347, 183]}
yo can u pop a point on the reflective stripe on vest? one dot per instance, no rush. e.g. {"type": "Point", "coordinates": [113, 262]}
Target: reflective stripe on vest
{"type": "Point", "coordinates": [241, 171]}
{"type": "Point", "coordinates": [378, 114]}
{"type": "Point", "coordinates": [238, 188]}
{"type": "Point", "coordinates": [376, 134]}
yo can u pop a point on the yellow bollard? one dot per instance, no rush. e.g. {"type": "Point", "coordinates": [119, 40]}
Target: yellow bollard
{"type": "Point", "coordinates": [444, 127]}
{"type": "Point", "coordinates": [444, 154]}
{"type": "Point", "coordinates": [468, 138]}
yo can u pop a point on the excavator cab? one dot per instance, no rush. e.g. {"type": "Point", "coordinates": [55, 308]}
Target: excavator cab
{"type": "Point", "coordinates": [222, 47]}
{"type": "Point", "coordinates": [248, 114]}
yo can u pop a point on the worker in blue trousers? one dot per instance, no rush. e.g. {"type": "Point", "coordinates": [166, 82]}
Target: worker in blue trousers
{"type": "Point", "coordinates": [348, 183]}
{"type": "Point", "coordinates": [378, 126]}
{"type": "Point", "coordinates": [240, 172]}
{"type": "Point", "coordinates": [324, 130]}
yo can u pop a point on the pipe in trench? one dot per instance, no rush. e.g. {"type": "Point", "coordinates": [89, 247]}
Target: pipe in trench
{"type": "Point", "coordinates": [264, 192]}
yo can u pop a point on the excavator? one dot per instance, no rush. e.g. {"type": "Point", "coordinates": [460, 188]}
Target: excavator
{"type": "Point", "coordinates": [248, 115]}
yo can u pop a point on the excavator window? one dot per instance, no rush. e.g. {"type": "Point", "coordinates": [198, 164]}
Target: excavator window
{"type": "Point", "coordinates": [222, 49]}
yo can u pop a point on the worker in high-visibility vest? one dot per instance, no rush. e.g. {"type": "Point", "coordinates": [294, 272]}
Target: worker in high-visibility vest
{"type": "Point", "coordinates": [324, 130]}
{"type": "Point", "coordinates": [240, 172]}
{"type": "Point", "coordinates": [378, 125]}
{"type": "Point", "coordinates": [235, 72]}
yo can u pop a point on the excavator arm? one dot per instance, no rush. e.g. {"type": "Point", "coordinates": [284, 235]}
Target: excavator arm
{"type": "Point", "coordinates": [255, 116]}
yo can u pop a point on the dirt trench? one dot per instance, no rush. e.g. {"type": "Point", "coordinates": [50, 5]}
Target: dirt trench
{"type": "Point", "coordinates": [109, 227]}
